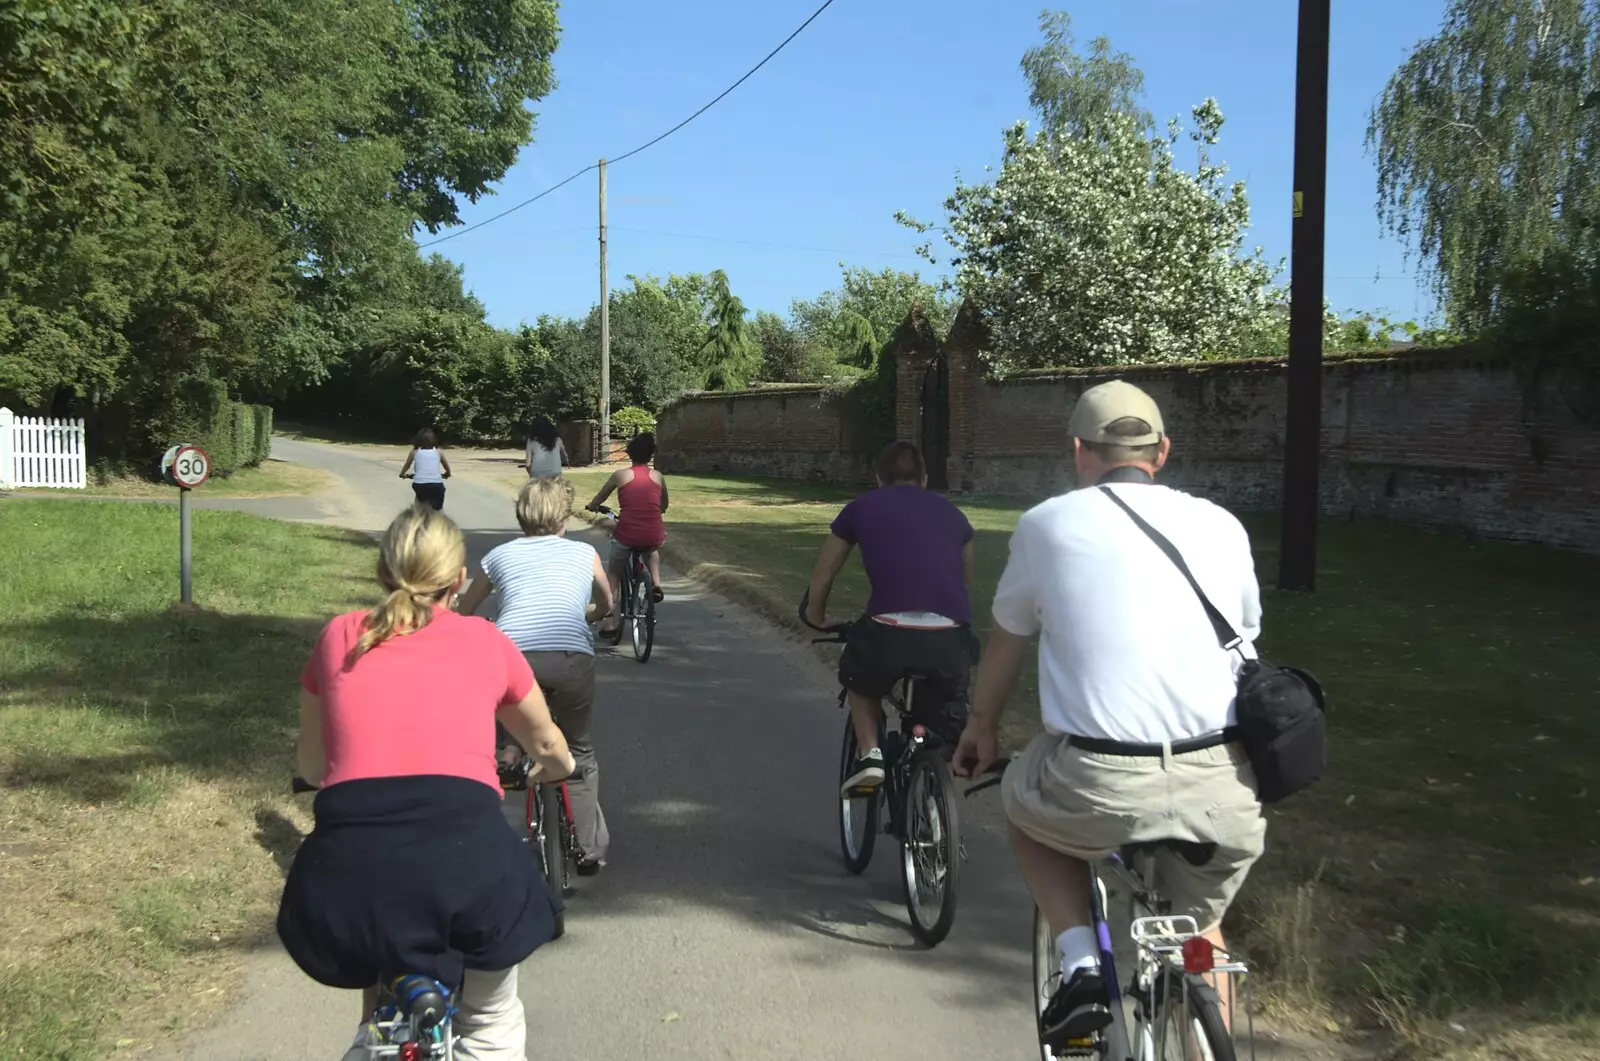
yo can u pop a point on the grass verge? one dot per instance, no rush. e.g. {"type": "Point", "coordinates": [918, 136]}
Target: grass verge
{"type": "Point", "coordinates": [1443, 883]}
{"type": "Point", "coordinates": [144, 755]}
{"type": "Point", "coordinates": [272, 478]}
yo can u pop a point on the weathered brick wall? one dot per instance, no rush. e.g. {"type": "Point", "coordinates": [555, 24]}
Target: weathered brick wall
{"type": "Point", "coordinates": [1438, 439]}
{"type": "Point", "coordinates": [788, 432]}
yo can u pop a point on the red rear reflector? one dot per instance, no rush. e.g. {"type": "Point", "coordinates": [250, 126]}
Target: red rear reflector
{"type": "Point", "coordinates": [1199, 956]}
{"type": "Point", "coordinates": [918, 731]}
{"type": "Point", "coordinates": [410, 1052]}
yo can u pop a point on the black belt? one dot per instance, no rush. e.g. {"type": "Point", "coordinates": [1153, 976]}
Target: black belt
{"type": "Point", "coordinates": [1178, 747]}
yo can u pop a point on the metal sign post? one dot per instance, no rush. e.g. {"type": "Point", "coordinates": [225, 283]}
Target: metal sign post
{"type": "Point", "coordinates": [185, 467]}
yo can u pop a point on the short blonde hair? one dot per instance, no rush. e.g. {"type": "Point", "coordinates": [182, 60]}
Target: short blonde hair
{"type": "Point", "coordinates": [419, 562]}
{"type": "Point", "coordinates": [543, 505]}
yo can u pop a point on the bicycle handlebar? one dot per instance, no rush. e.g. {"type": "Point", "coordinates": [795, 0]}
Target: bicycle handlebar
{"type": "Point", "coordinates": [837, 633]}
{"type": "Point", "coordinates": [997, 768]}
{"type": "Point", "coordinates": [300, 784]}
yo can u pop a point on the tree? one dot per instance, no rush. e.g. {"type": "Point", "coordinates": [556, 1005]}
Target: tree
{"type": "Point", "coordinates": [1485, 139]}
{"type": "Point", "coordinates": [786, 357]}
{"type": "Point", "coordinates": [1081, 96]}
{"type": "Point", "coordinates": [657, 332]}
{"type": "Point", "coordinates": [880, 300]}
{"type": "Point", "coordinates": [1097, 249]}
{"type": "Point", "coordinates": [729, 356]}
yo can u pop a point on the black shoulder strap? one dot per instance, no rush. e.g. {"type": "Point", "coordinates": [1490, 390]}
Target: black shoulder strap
{"type": "Point", "coordinates": [1227, 637]}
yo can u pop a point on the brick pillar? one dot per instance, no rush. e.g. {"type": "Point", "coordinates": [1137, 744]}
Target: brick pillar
{"type": "Point", "coordinates": [961, 350]}
{"type": "Point", "coordinates": [913, 346]}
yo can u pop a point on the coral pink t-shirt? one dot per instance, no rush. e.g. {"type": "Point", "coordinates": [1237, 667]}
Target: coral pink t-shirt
{"type": "Point", "coordinates": [423, 703]}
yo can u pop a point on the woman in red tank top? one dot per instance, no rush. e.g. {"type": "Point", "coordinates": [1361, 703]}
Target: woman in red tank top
{"type": "Point", "coordinates": [642, 497]}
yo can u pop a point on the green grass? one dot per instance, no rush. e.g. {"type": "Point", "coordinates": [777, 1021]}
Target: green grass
{"type": "Point", "coordinates": [1447, 866]}
{"type": "Point", "coordinates": [144, 754]}
{"type": "Point", "coordinates": [273, 478]}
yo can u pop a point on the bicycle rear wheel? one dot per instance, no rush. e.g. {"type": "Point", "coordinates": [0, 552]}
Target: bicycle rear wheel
{"type": "Point", "coordinates": [644, 617]}
{"type": "Point", "coordinates": [544, 833]}
{"type": "Point", "coordinates": [1191, 1012]}
{"type": "Point", "coordinates": [931, 848]}
{"type": "Point", "coordinates": [1046, 964]}
{"type": "Point", "coordinates": [858, 814]}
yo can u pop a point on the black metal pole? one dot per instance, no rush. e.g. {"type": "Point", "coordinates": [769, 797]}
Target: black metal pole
{"type": "Point", "coordinates": [1297, 563]}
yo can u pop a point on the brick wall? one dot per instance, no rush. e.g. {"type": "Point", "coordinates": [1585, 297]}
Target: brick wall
{"type": "Point", "coordinates": [1441, 439]}
{"type": "Point", "coordinates": [1449, 439]}
{"type": "Point", "coordinates": [789, 432]}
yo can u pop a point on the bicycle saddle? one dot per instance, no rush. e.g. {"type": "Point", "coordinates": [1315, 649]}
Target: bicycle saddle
{"type": "Point", "coordinates": [1194, 852]}
{"type": "Point", "coordinates": [423, 999]}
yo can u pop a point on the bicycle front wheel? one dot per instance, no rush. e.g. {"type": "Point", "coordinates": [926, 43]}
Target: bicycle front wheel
{"type": "Point", "coordinates": [551, 855]}
{"type": "Point", "coordinates": [1046, 964]}
{"type": "Point", "coordinates": [644, 617]}
{"type": "Point", "coordinates": [1187, 1024]}
{"type": "Point", "coordinates": [858, 811]}
{"type": "Point", "coordinates": [930, 848]}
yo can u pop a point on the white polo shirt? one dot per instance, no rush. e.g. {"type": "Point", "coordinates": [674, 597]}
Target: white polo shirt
{"type": "Point", "coordinates": [1125, 650]}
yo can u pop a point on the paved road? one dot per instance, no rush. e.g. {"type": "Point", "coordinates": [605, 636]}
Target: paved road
{"type": "Point", "coordinates": [725, 926]}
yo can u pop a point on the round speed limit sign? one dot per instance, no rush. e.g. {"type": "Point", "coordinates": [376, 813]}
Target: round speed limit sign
{"type": "Point", "coordinates": [186, 466]}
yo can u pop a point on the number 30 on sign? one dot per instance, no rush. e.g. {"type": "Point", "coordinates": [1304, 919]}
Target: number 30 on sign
{"type": "Point", "coordinates": [185, 466]}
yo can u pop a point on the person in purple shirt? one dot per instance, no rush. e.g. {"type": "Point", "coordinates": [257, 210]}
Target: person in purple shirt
{"type": "Point", "coordinates": [917, 549]}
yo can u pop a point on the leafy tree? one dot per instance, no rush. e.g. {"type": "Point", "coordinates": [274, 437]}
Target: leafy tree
{"type": "Point", "coordinates": [1091, 246]}
{"type": "Point", "coordinates": [657, 331]}
{"type": "Point", "coordinates": [858, 346]}
{"type": "Point", "coordinates": [880, 299]}
{"type": "Point", "coordinates": [730, 357]}
{"type": "Point", "coordinates": [786, 357]}
{"type": "Point", "coordinates": [1081, 96]}
{"type": "Point", "coordinates": [1485, 140]}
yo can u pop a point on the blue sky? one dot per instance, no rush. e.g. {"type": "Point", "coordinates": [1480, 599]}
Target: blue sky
{"type": "Point", "coordinates": [875, 108]}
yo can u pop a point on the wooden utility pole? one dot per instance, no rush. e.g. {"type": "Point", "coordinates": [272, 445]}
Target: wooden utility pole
{"type": "Point", "coordinates": [1297, 557]}
{"type": "Point", "coordinates": [605, 330]}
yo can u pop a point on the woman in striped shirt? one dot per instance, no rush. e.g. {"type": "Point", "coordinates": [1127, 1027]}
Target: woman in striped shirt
{"type": "Point", "coordinates": [551, 589]}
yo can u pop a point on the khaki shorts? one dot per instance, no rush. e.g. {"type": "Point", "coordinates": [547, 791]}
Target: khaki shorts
{"type": "Point", "coordinates": [1089, 806]}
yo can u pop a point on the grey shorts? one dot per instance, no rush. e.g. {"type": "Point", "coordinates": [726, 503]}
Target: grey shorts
{"type": "Point", "coordinates": [1089, 805]}
{"type": "Point", "coordinates": [619, 553]}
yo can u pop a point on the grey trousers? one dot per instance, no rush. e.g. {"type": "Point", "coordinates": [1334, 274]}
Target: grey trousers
{"type": "Point", "coordinates": [567, 680]}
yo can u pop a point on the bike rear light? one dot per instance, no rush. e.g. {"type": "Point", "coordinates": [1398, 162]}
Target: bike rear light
{"type": "Point", "coordinates": [410, 1051]}
{"type": "Point", "coordinates": [919, 731]}
{"type": "Point", "coordinates": [1199, 956]}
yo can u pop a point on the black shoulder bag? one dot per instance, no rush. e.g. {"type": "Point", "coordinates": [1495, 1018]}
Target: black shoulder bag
{"type": "Point", "coordinates": [1281, 710]}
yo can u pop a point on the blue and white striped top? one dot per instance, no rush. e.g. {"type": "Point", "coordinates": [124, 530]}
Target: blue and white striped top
{"type": "Point", "coordinates": [545, 586]}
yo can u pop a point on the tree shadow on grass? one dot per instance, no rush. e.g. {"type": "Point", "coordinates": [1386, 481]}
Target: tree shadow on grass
{"type": "Point", "coordinates": [210, 694]}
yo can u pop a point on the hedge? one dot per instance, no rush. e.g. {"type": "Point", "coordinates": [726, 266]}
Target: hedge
{"type": "Point", "coordinates": [234, 434]}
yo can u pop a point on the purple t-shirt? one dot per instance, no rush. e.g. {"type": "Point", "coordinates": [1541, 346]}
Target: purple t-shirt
{"type": "Point", "coordinates": [911, 541]}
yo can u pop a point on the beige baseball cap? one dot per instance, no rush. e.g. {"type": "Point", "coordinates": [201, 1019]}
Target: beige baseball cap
{"type": "Point", "coordinates": [1105, 405]}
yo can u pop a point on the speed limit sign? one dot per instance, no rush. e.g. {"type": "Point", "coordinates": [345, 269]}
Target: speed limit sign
{"type": "Point", "coordinates": [186, 466]}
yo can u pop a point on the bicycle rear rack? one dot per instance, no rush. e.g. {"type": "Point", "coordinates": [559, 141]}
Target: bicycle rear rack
{"type": "Point", "coordinates": [1162, 937]}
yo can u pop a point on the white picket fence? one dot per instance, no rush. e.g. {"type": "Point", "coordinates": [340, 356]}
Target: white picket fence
{"type": "Point", "coordinates": [37, 451]}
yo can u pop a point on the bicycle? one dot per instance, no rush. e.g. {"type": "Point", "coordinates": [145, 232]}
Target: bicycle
{"type": "Point", "coordinates": [550, 832]}
{"type": "Point", "coordinates": [414, 1016]}
{"type": "Point", "coordinates": [636, 600]}
{"type": "Point", "coordinates": [919, 793]}
{"type": "Point", "coordinates": [1175, 990]}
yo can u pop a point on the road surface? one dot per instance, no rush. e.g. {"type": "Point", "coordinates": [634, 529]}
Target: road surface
{"type": "Point", "coordinates": [725, 925]}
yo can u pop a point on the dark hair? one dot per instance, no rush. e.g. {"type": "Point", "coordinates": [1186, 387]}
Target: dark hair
{"type": "Point", "coordinates": [1116, 453]}
{"type": "Point", "coordinates": [900, 462]}
{"type": "Point", "coordinates": [544, 432]}
{"type": "Point", "coordinates": [642, 447]}
{"type": "Point", "coordinates": [426, 439]}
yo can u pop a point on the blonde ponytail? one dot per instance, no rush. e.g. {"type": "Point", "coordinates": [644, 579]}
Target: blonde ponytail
{"type": "Point", "coordinates": [419, 561]}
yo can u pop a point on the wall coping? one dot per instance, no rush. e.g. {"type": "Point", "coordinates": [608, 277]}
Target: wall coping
{"type": "Point", "coordinates": [1392, 358]}
{"type": "Point", "coordinates": [751, 392]}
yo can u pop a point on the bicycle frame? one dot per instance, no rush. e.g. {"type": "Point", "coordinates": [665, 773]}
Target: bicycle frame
{"type": "Point", "coordinates": [401, 1037]}
{"type": "Point", "coordinates": [1159, 939]}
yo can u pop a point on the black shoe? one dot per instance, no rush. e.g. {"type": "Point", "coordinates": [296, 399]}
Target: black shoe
{"type": "Point", "coordinates": [1080, 1007]}
{"type": "Point", "coordinates": [866, 772]}
{"type": "Point", "coordinates": [589, 867]}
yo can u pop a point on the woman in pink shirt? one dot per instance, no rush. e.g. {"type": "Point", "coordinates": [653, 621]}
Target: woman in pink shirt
{"type": "Point", "coordinates": [411, 867]}
{"type": "Point", "coordinates": [642, 495]}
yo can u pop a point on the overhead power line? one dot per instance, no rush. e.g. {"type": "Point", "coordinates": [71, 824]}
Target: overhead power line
{"type": "Point", "coordinates": [763, 243]}
{"type": "Point", "coordinates": [642, 147]}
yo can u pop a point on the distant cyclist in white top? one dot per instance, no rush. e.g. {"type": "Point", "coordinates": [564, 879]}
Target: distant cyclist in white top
{"type": "Point", "coordinates": [551, 589]}
{"type": "Point", "coordinates": [546, 453]}
{"type": "Point", "coordinates": [431, 469]}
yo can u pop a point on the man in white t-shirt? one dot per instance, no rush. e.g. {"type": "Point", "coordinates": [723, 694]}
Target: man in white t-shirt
{"type": "Point", "coordinates": [1136, 696]}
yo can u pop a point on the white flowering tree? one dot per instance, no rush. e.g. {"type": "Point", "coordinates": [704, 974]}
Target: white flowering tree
{"type": "Point", "coordinates": [1092, 245]}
